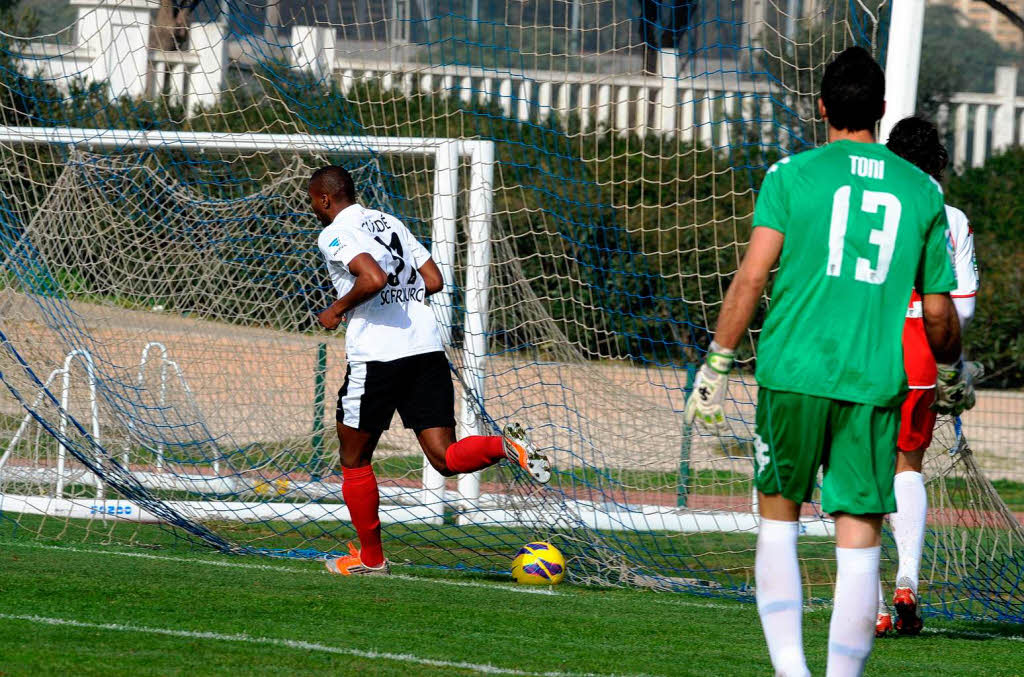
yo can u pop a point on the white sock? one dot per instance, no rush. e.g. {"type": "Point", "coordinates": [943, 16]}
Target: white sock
{"type": "Point", "coordinates": [908, 524]}
{"type": "Point", "coordinates": [883, 608]}
{"type": "Point", "coordinates": [780, 596]}
{"type": "Point", "coordinates": [852, 630]}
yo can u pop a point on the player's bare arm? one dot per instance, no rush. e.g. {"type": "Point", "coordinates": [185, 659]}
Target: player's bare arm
{"type": "Point", "coordinates": [942, 327]}
{"type": "Point", "coordinates": [369, 280]}
{"type": "Point", "coordinates": [954, 388]}
{"type": "Point", "coordinates": [706, 404]}
{"type": "Point", "coordinates": [431, 274]}
{"type": "Point", "coordinates": [745, 291]}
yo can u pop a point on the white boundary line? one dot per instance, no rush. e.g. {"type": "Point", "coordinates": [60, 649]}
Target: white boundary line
{"type": "Point", "coordinates": [483, 668]}
{"type": "Point", "coordinates": [971, 634]}
{"type": "Point", "coordinates": [465, 584]}
{"type": "Point", "coordinates": [403, 577]}
{"type": "Point", "coordinates": [416, 579]}
{"type": "Point", "coordinates": [288, 569]}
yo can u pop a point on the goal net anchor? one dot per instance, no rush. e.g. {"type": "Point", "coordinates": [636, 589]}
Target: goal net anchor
{"type": "Point", "coordinates": [59, 476]}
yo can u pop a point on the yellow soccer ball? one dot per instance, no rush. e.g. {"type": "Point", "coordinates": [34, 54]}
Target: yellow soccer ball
{"type": "Point", "coordinates": [538, 563]}
{"type": "Point", "coordinates": [277, 487]}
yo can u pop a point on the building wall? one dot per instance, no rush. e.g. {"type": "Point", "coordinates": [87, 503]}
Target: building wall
{"type": "Point", "coordinates": [992, 22]}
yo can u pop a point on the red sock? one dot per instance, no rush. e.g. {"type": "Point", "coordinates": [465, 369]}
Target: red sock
{"type": "Point", "coordinates": [474, 453]}
{"type": "Point", "coordinates": [359, 489]}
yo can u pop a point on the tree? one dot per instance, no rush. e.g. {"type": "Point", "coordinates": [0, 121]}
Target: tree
{"type": "Point", "coordinates": [955, 57]}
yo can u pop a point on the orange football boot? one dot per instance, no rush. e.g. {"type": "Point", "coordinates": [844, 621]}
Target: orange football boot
{"type": "Point", "coordinates": [351, 565]}
{"type": "Point", "coordinates": [519, 450]}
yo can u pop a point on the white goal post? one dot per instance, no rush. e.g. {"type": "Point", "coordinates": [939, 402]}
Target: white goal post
{"type": "Point", "coordinates": [447, 153]}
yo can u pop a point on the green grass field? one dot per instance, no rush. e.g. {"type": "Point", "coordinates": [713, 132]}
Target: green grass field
{"type": "Point", "coordinates": [168, 609]}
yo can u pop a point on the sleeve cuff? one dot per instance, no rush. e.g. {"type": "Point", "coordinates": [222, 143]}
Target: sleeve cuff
{"type": "Point", "coordinates": [944, 290]}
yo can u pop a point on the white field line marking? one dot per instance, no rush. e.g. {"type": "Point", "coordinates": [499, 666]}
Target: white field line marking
{"type": "Point", "coordinates": [271, 567]}
{"type": "Point", "coordinates": [702, 605]}
{"type": "Point", "coordinates": [403, 577]}
{"type": "Point", "coordinates": [441, 581]}
{"type": "Point", "coordinates": [667, 598]}
{"type": "Point", "coordinates": [483, 668]}
{"type": "Point", "coordinates": [474, 584]}
{"type": "Point", "coordinates": [953, 632]}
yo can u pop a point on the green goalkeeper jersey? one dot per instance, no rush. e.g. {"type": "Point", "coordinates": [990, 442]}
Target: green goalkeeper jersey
{"type": "Point", "coordinates": [862, 227]}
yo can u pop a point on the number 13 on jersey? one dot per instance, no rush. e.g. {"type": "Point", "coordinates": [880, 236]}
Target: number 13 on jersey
{"type": "Point", "coordinates": [884, 238]}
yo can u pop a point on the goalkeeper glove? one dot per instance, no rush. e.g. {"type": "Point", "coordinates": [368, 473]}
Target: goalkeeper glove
{"type": "Point", "coordinates": [709, 388]}
{"type": "Point", "coordinates": [954, 388]}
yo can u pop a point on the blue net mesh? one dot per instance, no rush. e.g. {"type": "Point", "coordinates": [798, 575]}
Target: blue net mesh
{"type": "Point", "coordinates": [161, 271]}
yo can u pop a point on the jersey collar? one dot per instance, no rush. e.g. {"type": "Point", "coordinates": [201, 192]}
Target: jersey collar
{"type": "Point", "coordinates": [353, 211]}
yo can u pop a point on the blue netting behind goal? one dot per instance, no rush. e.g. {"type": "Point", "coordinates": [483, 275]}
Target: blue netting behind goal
{"type": "Point", "coordinates": [162, 364]}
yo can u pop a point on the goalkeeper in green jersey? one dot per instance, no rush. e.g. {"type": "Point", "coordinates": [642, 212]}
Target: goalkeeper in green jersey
{"type": "Point", "coordinates": [852, 227]}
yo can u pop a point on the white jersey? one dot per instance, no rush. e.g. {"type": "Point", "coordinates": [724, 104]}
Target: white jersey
{"type": "Point", "coordinates": [397, 322]}
{"type": "Point", "coordinates": [965, 266]}
{"type": "Point", "coordinates": [961, 239]}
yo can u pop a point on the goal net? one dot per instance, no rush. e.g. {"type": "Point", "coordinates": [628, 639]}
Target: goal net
{"type": "Point", "coordinates": [584, 173]}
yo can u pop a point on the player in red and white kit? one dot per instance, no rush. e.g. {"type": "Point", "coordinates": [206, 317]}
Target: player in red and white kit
{"type": "Point", "coordinates": [918, 141]}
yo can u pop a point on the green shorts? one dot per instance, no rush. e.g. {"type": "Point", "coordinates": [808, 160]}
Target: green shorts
{"type": "Point", "coordinates": [855, 444]}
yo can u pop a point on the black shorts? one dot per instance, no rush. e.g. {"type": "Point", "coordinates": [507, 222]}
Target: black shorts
{"type": "Point", "coordinates": [418, 386]}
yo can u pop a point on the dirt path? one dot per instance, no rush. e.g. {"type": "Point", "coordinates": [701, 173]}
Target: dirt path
{"type": "Point", "coordinates": [257, 385]}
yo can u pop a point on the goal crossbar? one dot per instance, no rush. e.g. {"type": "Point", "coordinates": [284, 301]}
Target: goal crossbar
{"type": "Point", "coordinates": [238, 141]}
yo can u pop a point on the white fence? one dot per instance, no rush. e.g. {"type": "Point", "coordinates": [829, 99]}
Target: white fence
{"type": "Point", "coordinates": [982, 125]}
{"type": "Point", "coordinates": [113, 45]}
{"type": "Point", "coordinates": [704, 109]}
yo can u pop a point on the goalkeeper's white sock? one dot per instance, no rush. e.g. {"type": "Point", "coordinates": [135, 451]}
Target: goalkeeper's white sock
{"type": "Point", "coordinates": [908, 523]}
{"type": "Point", "coordinates": [852, 631]}
{"type": "Point", "coordinates": [780, 597]}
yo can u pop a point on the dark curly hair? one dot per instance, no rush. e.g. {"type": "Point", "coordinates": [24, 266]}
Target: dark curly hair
{"type": "Point", "coordinates": [853, 90]}
{"type": "Point", "coordinates": [916, 140]}
{"type": "Point", "coordinates": [334, 181]}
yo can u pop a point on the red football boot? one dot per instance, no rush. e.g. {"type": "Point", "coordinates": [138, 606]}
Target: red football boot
{"type": "Point", "coordinates": [908, 622]}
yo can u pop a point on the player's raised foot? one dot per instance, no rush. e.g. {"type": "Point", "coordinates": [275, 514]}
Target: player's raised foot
{"type": "Point", "coordinates": [521, 451]}
{"type": "Point", "coordinates": [908, 622]}
{"type": "Point", "coordinates": [883, 625]}
{"type": "Point", "coordinates": [351, 565]}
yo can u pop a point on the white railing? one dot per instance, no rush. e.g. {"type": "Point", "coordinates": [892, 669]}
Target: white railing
{"type": "Point", "coordinates": [981, 125]}
{"type": "Point", "coordinates": [112, 45]}
{"type": "Point", "coordinates": [710, 110]}
{"type": "Point", "coordinates": [165, 73]}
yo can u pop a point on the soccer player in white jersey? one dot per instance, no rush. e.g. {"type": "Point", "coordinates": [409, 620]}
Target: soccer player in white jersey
{"type": "Point", "coordinates": [918, 141]}
{"type": "Point", "coordinates": [396, 360]}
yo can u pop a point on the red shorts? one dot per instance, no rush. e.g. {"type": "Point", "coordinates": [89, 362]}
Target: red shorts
{"type": "Point", "coordinates": [917, 420]}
